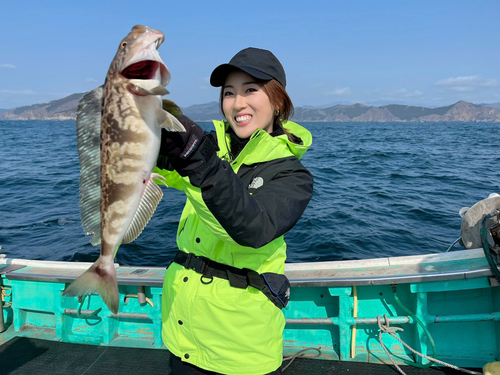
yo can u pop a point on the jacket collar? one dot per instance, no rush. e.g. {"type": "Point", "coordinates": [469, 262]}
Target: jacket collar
{"type": "Point", "coordinates": [262, 146]}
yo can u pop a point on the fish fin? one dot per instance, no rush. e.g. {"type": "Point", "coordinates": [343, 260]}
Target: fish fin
{"type": "Point", "coordinates": [168, 121]}
{"type": "Point", "coordinates": [138, 90]}
{"type": "Point", "coordinates": [171, 107]}
{"type": "Point", "coordinates": [159, 90]}
{"type": "Point", "coordinates": [96, 238]}
{"type": "Point", "coordinates": [99, 279]}
{"type": "Point", "coordinates": [160, 178]}
{"type": "Point", "coordinates": [88, 130]}
{"type": "Point", "coordinates": [150, 199]}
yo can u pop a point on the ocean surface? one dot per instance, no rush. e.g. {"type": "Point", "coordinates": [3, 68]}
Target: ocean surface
{"type": "Point", "coordinates": [381, 189]}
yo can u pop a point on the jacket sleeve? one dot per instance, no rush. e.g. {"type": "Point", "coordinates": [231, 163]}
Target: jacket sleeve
{"type": "Point", "coordinates": [228, 208]}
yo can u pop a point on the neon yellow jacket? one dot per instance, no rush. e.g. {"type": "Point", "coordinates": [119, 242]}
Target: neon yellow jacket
{"type": "Point", "coordinates": [236, 213]}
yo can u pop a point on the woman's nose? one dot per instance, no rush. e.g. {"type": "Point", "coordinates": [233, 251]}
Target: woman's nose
{"type": "Point", "coordinates": [239, 102]}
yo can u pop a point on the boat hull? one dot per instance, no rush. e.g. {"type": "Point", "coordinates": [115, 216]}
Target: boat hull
{"type": "Point", "coordinates": [336, 309]}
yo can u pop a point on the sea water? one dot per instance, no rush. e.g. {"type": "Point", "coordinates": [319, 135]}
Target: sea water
{"type": "Point", "coordinates": [380, 189]}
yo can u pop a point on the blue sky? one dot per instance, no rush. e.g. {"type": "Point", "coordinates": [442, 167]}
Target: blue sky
{"type": "Point", "coordinates": [429, 53]}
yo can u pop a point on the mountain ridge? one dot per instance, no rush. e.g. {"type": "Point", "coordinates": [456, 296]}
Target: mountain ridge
{"type": "Point", "coordinates": [65, 109]}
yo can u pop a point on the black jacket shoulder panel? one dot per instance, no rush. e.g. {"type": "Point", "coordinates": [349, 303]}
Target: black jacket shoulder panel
{"type": "Point", "coordinates": [262, 202]}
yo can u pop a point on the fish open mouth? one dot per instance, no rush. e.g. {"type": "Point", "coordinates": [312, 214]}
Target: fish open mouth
{"type": "Point", "coordinates": [141, 70]}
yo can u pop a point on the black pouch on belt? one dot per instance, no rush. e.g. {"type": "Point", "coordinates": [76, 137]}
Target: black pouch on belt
{"type": "Point", "coordinates": [279, 288]}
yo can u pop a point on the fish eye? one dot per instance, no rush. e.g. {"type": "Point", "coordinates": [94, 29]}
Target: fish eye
{"type": "Point", "coordinates": [123, 45]}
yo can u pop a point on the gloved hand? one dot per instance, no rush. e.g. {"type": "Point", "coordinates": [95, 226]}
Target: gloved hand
{"type": "Point", "coordinates": [179, 146]}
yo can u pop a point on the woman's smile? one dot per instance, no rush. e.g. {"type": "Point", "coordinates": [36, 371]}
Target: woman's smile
{"type": "Point", "coordinates": [243, 120]}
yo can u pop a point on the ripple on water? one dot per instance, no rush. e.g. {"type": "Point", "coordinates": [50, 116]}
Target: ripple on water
{"type": "Point", "coordinates": [381, 189]}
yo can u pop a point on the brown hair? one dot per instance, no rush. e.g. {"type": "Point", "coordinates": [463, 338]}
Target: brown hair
{"type": "Point", "coordinates": [280, 101]}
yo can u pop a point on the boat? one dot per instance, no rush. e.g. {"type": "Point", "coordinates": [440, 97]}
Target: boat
{"type": "Point", "coordinates": [381, 312]}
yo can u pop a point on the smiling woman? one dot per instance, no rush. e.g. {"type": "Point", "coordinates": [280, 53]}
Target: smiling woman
{"type": "Point", "coordinates": [245, 188]}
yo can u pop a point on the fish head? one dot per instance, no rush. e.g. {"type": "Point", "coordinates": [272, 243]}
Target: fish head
{"type": "Point", "coordinates": [137, 58]}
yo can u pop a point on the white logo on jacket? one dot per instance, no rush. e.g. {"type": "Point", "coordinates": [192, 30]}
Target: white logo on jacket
{"type": "Point", "coordinates": [256, 183]}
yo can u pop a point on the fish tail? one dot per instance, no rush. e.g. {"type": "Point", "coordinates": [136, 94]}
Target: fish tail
{"type": "Point", "coordinates": [99, 279]}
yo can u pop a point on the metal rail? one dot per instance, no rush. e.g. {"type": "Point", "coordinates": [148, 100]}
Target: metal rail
{"type": "Point", "coordinates": [399, 319]}
{"type": "Point", "coordinates": [88, 314]}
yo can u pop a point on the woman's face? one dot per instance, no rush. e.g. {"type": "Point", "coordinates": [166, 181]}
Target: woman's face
{"type": "Point", "coordinates": [246, 106]}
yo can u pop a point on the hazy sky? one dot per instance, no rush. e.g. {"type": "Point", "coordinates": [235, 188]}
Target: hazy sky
{"type": "Point", "coordinates": [430, 53]}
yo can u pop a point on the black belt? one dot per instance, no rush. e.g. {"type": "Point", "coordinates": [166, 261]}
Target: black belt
{"type": "Point", "coordinates": [275, 286]}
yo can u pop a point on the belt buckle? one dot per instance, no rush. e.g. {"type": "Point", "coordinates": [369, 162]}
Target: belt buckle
{"type": "Point", "coordinates": [196, 263]}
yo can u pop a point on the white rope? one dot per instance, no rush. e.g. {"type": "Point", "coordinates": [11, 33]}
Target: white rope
{"type": "Point", "coordinates": [392, 331]}
{"type": "Point", "coordinates": [297, 355]}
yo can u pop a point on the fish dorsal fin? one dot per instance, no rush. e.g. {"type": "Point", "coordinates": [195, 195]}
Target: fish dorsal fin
{"type": "Point", "coordinates": [150, 199]}
{"type": "Point", "coordinates": [88, 130]}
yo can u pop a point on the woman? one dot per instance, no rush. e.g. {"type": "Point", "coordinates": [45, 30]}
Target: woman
{"type": "Point", "coordinates": [245, 188]}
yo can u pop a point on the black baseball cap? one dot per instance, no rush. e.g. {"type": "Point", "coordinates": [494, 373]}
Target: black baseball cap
{"type": "Point", "coordinates": [259, 63]}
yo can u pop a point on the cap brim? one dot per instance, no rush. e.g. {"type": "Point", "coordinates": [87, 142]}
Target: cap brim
{"type": "Point", "coordinates": [220, 73]}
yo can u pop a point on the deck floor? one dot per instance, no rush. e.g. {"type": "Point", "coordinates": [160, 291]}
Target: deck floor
{"type": "Point", "coordinates": [28, 356]}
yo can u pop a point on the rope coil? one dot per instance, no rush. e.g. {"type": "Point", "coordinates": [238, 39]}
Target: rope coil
{"type": "Point", "coordinates": [385, 328]}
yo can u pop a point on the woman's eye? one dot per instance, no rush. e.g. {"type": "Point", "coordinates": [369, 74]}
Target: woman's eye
{"type": "Point", "coordinates": [251, 89]}
{"type": "Point", "coordinates": [228, 93]}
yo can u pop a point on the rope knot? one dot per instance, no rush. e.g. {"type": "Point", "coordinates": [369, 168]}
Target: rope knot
{"type": "Point", "coordinates": [386, 328]}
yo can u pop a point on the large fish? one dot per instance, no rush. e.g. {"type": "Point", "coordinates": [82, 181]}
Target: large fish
{"type": "Point", "coordinates": [119, 130]}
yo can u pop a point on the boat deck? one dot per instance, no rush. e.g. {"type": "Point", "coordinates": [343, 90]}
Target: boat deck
{"type": "Point", "coordinates": [27, 356]}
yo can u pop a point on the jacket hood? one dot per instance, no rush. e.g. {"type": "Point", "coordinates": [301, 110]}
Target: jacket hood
{"type": "Point", "coordinates": [298, 149]}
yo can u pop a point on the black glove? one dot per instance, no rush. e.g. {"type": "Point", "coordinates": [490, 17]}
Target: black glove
{"type": "Point", "coordinates": [178, 147]}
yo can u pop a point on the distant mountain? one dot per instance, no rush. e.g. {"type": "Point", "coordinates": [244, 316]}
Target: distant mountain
{"type": "Point", "coordinates": [203, 112]}
{"type": "Point", "coordinates": [65, 109]}
{"type": "Point", "coordinates": [461, 111]}
{"type": "Point", "coordinates": [61, 109]}
{"type": "Point", "coordinates": [3, 110]}
{"type": "Point", "coordinates": [493, 105]}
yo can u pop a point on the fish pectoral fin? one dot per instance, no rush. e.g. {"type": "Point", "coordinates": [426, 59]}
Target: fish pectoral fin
{"type": "Point", "coordinates": [168, 121]}
{"type": "Point", "coordinates": [88, 130]}
{"type": "Point", "coordinates": [171, 107]}
{"type": "Point", "coordinates": [138, 90]}
{"type": "Point", "coordinates": [150, 199]}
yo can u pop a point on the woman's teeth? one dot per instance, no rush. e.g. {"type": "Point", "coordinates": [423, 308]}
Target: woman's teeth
{"type": "Point", "coordinates": [242, 118]}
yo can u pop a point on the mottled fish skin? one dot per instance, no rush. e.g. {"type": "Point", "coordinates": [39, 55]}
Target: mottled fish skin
{"type": "Point", "coordinates": [130, 142]}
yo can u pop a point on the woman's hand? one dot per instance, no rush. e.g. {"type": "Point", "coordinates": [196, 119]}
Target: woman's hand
{"type": "Point", "coordinates": [179, 146]}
